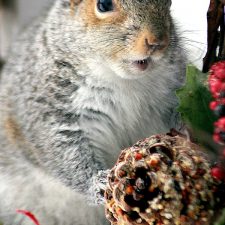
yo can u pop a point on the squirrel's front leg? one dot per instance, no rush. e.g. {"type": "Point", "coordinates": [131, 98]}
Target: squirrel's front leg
{"type": "Point", "coordinates": [77, 162]}
{"type": "Point", "coordinates": [75, 145]}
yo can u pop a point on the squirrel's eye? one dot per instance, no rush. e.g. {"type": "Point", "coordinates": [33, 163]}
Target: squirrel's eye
{"type": "Point", "coordinates": [105, 5]}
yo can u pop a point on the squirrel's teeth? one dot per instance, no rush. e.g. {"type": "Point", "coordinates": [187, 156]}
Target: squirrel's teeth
{"type": "Point", "coordinates": [144, 61]}
{"type": "Point", "coordinates": [141, 64]}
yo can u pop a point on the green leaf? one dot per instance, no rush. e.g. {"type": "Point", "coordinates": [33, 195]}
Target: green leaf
{"type": "Point", "coordinates": [194, 100]}
{"type": "Point", "coordinates": [221, 220]}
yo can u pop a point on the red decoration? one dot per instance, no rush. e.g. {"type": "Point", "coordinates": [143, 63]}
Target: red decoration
{"type": "Point", "coordinates": [28, 214]}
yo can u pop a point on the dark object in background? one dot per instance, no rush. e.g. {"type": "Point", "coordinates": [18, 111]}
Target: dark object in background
{"type": "Point", "coordinates": [1, 64]}
{"type": "Point", "coordinates": [8, 15]}
{"type": "Point", "coordinates": [8, 3]}
{"type": "Point", "coordinates": [216, 29]}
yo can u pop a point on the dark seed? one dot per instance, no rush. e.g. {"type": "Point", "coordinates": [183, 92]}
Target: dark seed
{"type": "Point", "coordinates": [170, 163]}
{"type": "Point", "coordinates": [142, 204]}
{"type": "Point", "coordinates": [102, 192]}
{"type": "Point", "coordinates": [162, 150]}
{"type": "Point", "coordinates": [200, 172]}
{"type": "Point", "coordinates": [220, 110]}
{"type": "Point", "coordinates": [108, 194]}
{"type": "Point", "coordinates": [130, 200]}
{"type": "Point", "coordinates": [141, 172]}
{"type": "Point", "coordinates": [137, 197]}
{"type": "Point", "coordinates": [110, 216]}
{"type": "Point", "coordinates": [167, 161]}
{"type": "Point", "coordinates": [177, 186]}
{"type": "Point", "coordinates": [131, 182]}
{"type": "Point", "coordinates": [133, 215]}
{"type": "Point", "coordinates": [174, 172]}
{"type": "Point", "coordinates": [184, 209]}
{"type": "Point", "coordinates": [151, 195]}
{"type": "Point", "coordinates": [219, 195]}
{"type": "Point", "coordinates": [222, 94]}
{"type": "Point", "coordinates": [222, 135]}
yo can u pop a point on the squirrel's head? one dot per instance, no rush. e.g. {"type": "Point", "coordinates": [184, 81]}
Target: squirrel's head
{"type": "Point", "coordinates": [130, 35]}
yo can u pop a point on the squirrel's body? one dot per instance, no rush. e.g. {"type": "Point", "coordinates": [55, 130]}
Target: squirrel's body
{"type": "Point", "coordinates": [68, 107]}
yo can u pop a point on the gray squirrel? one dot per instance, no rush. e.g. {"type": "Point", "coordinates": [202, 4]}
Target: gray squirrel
{"type": "Point", "coordinates": [87, 80]}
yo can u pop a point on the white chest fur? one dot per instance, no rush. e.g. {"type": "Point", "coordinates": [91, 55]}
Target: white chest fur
{"type": "Point", "coordinates": [126, 110]}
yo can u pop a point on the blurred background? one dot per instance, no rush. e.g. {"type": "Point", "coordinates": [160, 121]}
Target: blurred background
{"type": "Point", "coordinates": [190, 15]}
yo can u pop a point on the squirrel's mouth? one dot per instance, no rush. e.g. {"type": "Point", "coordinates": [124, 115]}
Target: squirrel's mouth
{"type": "Point", "coordinates": [142, 64]}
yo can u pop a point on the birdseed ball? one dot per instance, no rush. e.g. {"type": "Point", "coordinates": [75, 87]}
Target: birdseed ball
{"type": "Point", "coordinates": [161, 180]}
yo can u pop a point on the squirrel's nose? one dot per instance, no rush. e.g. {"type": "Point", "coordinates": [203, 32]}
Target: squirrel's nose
{"type": "Point", "coordinates": [155, 45]}
{"type": "Point", "coordinates": [148, 43]}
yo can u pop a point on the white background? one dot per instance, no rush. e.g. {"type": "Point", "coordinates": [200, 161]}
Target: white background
{"type": "Point", "coordinates": [190, 16]}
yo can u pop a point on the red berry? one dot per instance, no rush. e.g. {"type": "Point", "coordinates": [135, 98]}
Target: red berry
{"type": "Point", "coordinates": [212, 78]}
{"type": "Point", "coordinates": [216, 137]}
{"type": "Point", "coordinates": [216, 95]}
{"type": "Point", "coordinates": [216, 130]}
{"type": "Point", "coordinates": [220, 73]}
{"type": "Point", "coordinates": [218, 69]}
{"type": "Point", "coordinates": [222, 101]}
{"type": "Point", "coordinates": [220, 124]}
{"type": "Point", "coordinates": [215, 86]}
{"type": "Point", "coordinates": [217, 66]}
{"type": "Point", "coordinates": [213, 105]}
{"type": "Point", "coordinates": [138, 156]}
{"type": "Point", "coordinates": [223, 86]}
{"type": "Point", "coordinates": [217, 173]}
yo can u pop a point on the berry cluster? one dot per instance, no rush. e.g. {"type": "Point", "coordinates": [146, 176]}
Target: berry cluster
{"type": "Point", "coordinates": [216, 83]}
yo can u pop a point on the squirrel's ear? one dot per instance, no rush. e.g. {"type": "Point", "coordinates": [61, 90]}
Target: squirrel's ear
{"type": "Point", "coordinates": [70, 3]}
{"type": "Point", "coordinates": [74, 2]}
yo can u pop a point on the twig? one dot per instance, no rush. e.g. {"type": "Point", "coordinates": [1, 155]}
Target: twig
{"type": "Point", "coordinates": [215, 18]}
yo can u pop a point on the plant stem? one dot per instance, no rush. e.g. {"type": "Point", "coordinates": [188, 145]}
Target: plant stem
{"type": "Point", "coordinates": [215, 18]}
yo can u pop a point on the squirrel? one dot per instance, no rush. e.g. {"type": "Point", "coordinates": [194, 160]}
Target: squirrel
{"type": "Point", "coordinates": [85, 81]}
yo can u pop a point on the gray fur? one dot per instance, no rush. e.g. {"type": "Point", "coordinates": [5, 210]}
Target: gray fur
{"type": "Point", "coordinates": [77, 108]}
